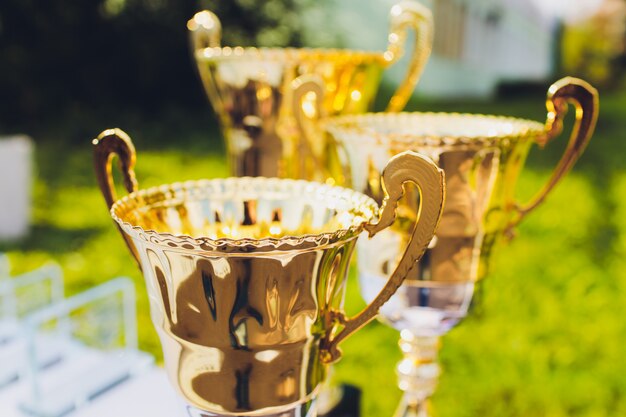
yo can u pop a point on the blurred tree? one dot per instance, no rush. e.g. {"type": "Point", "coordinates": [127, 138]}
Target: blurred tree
{"type": "Point", "coordinates": [88, 57]}
{"type": "Point", "coordinates": [592, 49]}
{"type": "Point", "coordinates": [259, 23]}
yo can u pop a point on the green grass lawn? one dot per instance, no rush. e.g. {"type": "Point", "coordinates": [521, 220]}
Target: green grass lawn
{"type": "Point", "coordinates": [547, 338]}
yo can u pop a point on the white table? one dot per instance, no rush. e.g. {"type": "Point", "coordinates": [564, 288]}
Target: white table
{"type": "Point", "coordinates": [145, 395]}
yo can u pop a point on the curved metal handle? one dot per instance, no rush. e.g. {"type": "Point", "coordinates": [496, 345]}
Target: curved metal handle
{"type": "Point", "coordinates": [404, 16]}
{"type": "Point", "coordinates": [307, 106]}
{"type": "Point", "coordinates": [585, 99]}
{"type": "Point", "coordinates": [109, 143]}
{"type": "Point", "coordinates": [402, 168]}
{"type": "Point", "coordinates": [205, 30]}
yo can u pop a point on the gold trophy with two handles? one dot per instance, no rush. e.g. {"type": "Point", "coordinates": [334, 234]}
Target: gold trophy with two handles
{"type": "Point", "coordinates": [482, 157]}
{"type": "Point", "coordinates": [251, 90]}
{"type": "Point", "coordinates": [246, 276]}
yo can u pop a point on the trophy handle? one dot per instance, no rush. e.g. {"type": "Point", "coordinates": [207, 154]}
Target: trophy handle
{"type": "Point", "coordinates": [109, 143]}
{"type": "Point", "coordinates": [403, 16]}
{"type": "Point", "coordinates": [402, 168]}
{"type": "Point", "coordinates": [585, 99]}
{"type": "Point", "coordinates": [205, 30]}
{"type": "Point", "coordinates": [304, 110]}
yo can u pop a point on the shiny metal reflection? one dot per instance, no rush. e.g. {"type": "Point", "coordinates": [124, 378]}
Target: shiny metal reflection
{"type": "Point", "coordinates": [251, 90]}
{"type": "Point", "coordinates": [246, 276]}
{"type": "Point", "coordinates": [482, 157]}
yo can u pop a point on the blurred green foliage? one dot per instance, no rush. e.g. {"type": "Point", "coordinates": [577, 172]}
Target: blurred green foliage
{"type": "Point", "coordinates": [588, 54]}
{"type": "Point", "coordinates": [260, 23]}
{"type": "Point", "coordinates": [547, 339]}
{"type": "Point", "coordinates": [595, 49]}
{"type": "Point", "coordinates": [89, 59]}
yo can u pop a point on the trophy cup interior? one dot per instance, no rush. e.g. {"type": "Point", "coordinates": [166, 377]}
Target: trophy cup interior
{"type": "Point", "coordinates": [433, 130]}
{"type": "Point", "coordinates": [246, 209]}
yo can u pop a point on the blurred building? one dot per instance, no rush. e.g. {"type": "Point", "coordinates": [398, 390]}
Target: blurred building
{"type": "Point", "coordinates": [478, 43]}
{"type": "Point", "coordinates": [481, 43]}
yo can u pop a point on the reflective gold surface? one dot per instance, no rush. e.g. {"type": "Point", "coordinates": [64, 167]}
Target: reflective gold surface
{"type": "Point", "coordinates": [482, 157]}
{"type": "Point", "coordinates": [251, 91]}
{"type": "Point", "coordinates": [246, 276]}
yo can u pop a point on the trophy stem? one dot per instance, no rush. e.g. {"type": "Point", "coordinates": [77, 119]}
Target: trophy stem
{"type": "Point", "coordinates": [418, 373]}
{"type": "Point", "coordinates": [329, 395]}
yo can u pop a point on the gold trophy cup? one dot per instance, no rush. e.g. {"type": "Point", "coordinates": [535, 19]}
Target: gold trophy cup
{"type": "Point", "coordinates": [251, 90]}
{"type": "Point", "coordinates": [246, 276]}
{"type": "Point", "coordinates": [482, 157]}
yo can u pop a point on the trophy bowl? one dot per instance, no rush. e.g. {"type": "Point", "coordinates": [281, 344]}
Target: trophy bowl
{"type": "Point", "coordinates": [246, 276]}
{"type": "Point", "coordinates": [251, 90]}
{"type": "Point", "coordinates": [482, 156]}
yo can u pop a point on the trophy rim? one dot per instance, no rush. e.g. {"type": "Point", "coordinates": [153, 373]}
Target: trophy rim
{"type": "Point", "coordinates": [366, 208]}
{"type": "Point", "coordinates": [367, 125]}
{"type": "Point", "coordinates": [217, 53]}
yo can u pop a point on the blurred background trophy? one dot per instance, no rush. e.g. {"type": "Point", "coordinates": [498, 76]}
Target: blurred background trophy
{"type": "Point", "coordinates": [251, 91]}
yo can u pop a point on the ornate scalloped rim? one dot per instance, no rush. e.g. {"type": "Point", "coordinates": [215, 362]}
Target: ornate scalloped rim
{"type": "Point", "coordinates": [245, 245]}
{"type": "Point", "coordinates": [286, 54]}
{"type": "Point", "coordinates": [354, 124]}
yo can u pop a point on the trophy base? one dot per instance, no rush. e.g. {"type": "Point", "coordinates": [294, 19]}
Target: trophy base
{"type": "Point", "coordinates": [412, 408]}
{"type": "Point", "coordinates": [348, 403]}
{"type": "Point", "coordinates": [305, 409]}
